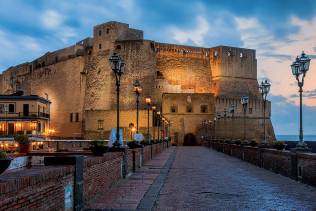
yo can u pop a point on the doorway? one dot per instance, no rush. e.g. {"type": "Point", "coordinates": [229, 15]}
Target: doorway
{"type": "Point", "coordinates": [189, 140]}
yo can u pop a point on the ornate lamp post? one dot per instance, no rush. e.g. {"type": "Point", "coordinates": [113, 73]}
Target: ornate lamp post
{"type": "Point", "coordinates": [158, 123]}
{"type": "Point", "coordinates": [138, 91]}
{"type": "Point", "coordinates": [215, 119]}
{"type": "Point", "coordinates": [264, 89]}
{"type": "Point", "coordinates": [118, 69]}
{"type": "Point", "coordinates": [299, 69]}
{"type": "Point", "coordinates": [153, 108]}
{"type": "Point", "coordinates": [244, 101]}
{"type": "Point", "coordinates": [148, 102]}
{"type": "Point", "coordinates": [232, 112]}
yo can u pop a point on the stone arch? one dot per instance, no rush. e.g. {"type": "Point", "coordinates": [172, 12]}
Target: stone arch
{"type": "Point", "coordinates": [189, 140]}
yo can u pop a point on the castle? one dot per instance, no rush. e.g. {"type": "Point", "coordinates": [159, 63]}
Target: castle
{"type": "Point", "coordinates": [80, 85]}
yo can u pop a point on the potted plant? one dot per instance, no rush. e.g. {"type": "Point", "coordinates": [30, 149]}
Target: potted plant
{"type": "Point", "coordinates": [4, 161]}
{"type": "Point", "coordinates": [24, 143]}
{"type": "Point", "coordinates": [98, 147]}
{"type": "Point", "coordinates": [279, 145]}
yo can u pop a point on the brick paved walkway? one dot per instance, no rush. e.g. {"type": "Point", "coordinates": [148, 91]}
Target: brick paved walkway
{"type": "Point", "coordinates": [203, 179]}
{"type": "Point", "coordinates": [127, 194]}
{"type": "Point", "coordinates": [196, 178]}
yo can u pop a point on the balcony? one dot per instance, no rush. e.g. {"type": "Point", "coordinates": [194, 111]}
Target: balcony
{"type": "Point", "coordinates": [25, 115]}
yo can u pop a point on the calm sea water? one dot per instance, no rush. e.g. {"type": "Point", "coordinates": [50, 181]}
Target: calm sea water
{"type": "Point", "coordinates": [295, 137]}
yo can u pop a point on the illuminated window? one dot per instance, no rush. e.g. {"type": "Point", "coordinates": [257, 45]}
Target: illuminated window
{"type": "Point", "coordinates": [240, 55]}
{"type": "Point", "coordinates": [215, 53]}
{"type": "Point", "coordinates": [100, 124]}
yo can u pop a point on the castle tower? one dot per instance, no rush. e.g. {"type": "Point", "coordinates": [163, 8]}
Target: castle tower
{"type": "Point", "coordinates": [234, 72]}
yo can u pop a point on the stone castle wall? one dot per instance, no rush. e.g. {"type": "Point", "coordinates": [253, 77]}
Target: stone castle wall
{"type": "Point", "coordinates": [78, 79]}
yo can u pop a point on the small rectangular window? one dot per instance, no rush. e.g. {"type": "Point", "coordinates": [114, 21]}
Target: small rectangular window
{"type": "Point", "coordinates": [77, 117]}
{"type": "Point", "coordinates": [2, 110]}
{"type": "Point", "coordinates": [100, 46]}
{"type": "Point", "coordinates": [250, 110]}
{"type": "Point", "coordinates": [100, 124]}
{"type": "Point", "coordinates": [174, 109]}
{"type": "Point", "coordinates": [71, 117]}
{"type": "Point", "coordinates": [11, 108]}
{"type": "Point", "coordinates": [204, 108]}
{"type": "Point", "coordinates": [189, 109]}
{"type": "Point", "coordinates": [100, 32]}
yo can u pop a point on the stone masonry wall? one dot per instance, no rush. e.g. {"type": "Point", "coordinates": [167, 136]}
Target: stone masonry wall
{"type": "Point", "coordinates": [296, 165]}
{"type": "Point", "coordinates": [43, 187]}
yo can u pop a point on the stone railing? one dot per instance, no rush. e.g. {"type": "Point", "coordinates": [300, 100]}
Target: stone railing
{"type": "Point", "coordinates": [296, 165]}
{"type": "Point", "coordinates": [70, 187]}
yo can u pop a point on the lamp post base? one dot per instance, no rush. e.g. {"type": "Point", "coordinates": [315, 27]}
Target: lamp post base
{"type": "Point", "coordinates": [301, 147]}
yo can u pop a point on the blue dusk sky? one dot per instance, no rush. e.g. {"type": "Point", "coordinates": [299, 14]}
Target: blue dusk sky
{"type": "Point", "coordinates": [278, 29]}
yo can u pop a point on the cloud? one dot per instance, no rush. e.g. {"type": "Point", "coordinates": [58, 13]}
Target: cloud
{"type": "Point", "coordinates": [52, 19]}
{"type": "Point", "coordinates": [285, 116]}
{"type": "Point", "coordinates": [195, 36]}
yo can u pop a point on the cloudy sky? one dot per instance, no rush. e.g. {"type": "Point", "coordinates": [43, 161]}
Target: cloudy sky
{"type": "Point", "coordinates": [278, 29]}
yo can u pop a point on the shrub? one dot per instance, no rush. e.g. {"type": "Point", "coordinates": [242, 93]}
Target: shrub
{"type": "Point", "coordinates": [3, 155]}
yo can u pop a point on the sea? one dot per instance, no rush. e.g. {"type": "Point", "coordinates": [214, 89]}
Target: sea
{"type": "Point", "coordinates": [295, 137]}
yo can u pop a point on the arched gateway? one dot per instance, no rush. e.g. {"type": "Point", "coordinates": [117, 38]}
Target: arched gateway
{"type": "Point", "coordinates": [189, 140]}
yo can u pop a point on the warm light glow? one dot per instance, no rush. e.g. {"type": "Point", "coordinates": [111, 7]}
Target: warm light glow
{"type": "Point", "coordinates": [1, 145]}
{"type": "Point", "coordinates": [148, 100]}
{"type": "Point", "coordinates": [18, 124]}
{"type": "Point", "coordinates": [16, 145]}
{"type": "Point", "coordinates": [50, 131]}
{"type": "Point", "coordinates": [153, 108]}
{"type": "Point", "coordinates": [6, 145]}
{"type": "Point", "coordinates": [133, 129]}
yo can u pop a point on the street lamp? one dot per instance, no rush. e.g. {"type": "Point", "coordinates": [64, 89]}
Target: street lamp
{"type": "Point", "coordinates": [244, 101]}
{"type": "Point", "coordinates": [232, 112]}
{"type": "Point", "coordinates": [299, 69]}
{"type": "Point", "coordinates": [118, 69]}
{"type": "Point", "coordinates": [148, 102]}
{"type": "Point", "coordinates": [215, 119]}
{"type": "Point", "coordinates": [138, 91]}
{"type": "Point", "coordinates": [264, 90]}
{"type": "Point", "coordinates": [153, 108]}
{"type": "Point", "coordinates": [158, 123]}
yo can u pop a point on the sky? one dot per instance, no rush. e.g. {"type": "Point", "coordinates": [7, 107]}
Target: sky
{"type": "Point", "coordinates": [279, 30]}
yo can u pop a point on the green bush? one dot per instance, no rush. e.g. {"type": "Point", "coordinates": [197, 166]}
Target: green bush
{"type": "Point", "coordinates": [22, 139]}
{"type": "Point", "coordinates": [3, 155]}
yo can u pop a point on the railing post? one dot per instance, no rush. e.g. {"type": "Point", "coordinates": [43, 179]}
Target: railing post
{"type": "Point", "coordinates": [134, 166]}
{"type": "Point", "coordinates": [78, 183]}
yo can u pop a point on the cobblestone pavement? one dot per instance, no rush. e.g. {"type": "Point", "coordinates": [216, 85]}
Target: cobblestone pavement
{"type": "Point", "coordinates": [127, 193]}
{"type": "Point", "coordinates": [203, 179]}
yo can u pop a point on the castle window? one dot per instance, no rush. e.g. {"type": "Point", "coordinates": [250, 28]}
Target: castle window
{"type": "Point", "coordinates": [159, 75]}
{"type": "Point", "coordinates": [100, 124]}
{"type": "Point", "coordinates": [215, 53]}
{"type": "Point", "coordinates": [56, 59]}
{"type": "Point", "coordinates": [71, 119]}
{"type": "Point", "coordinates": [118, 47]}
{"type": "Point", "coordinates": [77, 117]}
{"type": "Point", "coordinates": [204, 108]}
{"type": "Point", "coordinates": [174, 109]}
{"type": "Point", "coordinates": [250, 110]}
{"type": "Point", "coordinates": [107, 31]}
{"type": "Point", "coordinates": [240, 55]}
{"type": "Point", "coordinates": [100, 32]}
{"type": "Point", "coordinates": [100, 46]}
{"type": "Point", "coordinates": [189, 109]}
{"type": "Point", "coordinates": [229, 53]}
